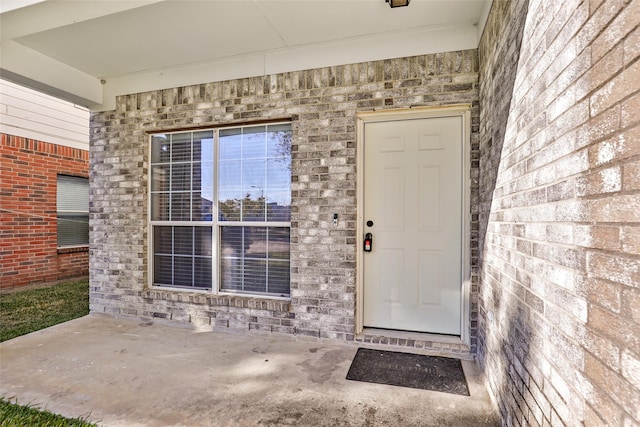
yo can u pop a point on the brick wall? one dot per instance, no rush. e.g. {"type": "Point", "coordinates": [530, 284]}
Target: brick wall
{"type": "Point", "coordinates": [322, 104]}
{"type": "Point", "coordinates": [28, 233]}
{"type": "Point", "coordinates": [559, 314]}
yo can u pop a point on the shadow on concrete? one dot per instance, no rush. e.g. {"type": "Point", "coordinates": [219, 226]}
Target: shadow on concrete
{"type": "Point", "coordinates": [122, 372]}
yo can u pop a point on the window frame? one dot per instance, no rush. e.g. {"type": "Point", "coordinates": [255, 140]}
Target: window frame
{"type": "Point", "coordinates": [215, 223]}
{"type": "Point", "coordinates": [75, 212]}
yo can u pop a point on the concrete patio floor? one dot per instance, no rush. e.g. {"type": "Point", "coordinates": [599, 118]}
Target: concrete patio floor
{"type": "Point", "coordinates": [123, 372]}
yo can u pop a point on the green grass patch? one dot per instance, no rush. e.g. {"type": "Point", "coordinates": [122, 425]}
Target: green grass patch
{"type": "Point", "coordinates": [26, 311]}
{"type": "Point", "coordinates": [29, 310]}
{"type": "Point", "coordinates": [12, 414]}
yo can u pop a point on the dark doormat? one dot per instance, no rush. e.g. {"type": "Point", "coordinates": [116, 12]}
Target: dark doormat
{"type": "Point", "coordinates": [409, 370]}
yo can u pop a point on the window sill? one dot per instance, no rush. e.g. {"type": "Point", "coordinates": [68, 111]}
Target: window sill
{"type": "Point", "coordinates": [234, 295]}
{"type": "Point", "coordinates": [217, 299]}
{"type": "Point", "coordinates": [73, 249]}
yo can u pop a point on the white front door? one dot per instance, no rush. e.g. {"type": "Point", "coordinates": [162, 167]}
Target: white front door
{"type": "Point", "coordinates": [413, 210]}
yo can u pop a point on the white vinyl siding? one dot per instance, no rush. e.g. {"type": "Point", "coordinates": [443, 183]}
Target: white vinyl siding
{"type": "Point", "coordinates": [30, 114]}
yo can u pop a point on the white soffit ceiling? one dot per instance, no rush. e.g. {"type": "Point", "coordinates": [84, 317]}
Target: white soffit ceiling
{"type": "Point", "coordinates": [70, 46]}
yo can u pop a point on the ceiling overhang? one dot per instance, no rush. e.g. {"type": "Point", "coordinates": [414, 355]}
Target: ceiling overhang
{"type": "Point", "coordinates": [89, 52]}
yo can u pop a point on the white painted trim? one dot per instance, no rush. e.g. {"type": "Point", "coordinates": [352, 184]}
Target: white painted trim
{"type": "Point", "coordinates": [465, 329]}
{"type": "Point", "coordinates": [460, 110]}
{"type": "Point", "coordinates": [149, 228]}
{"type": "Point", "coordinates": [32, 69]}
{"type": "Point", "coordinates": [9, 5]}
{"type": "Point", "coordinates": [400, 44]}
{"type": "Point", "coordinates": [49, 15]}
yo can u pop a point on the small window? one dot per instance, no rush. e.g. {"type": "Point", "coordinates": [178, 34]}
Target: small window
{"type": "Point", "coordinates": [73, 211]}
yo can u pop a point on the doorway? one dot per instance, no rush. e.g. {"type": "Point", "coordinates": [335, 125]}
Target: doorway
{"type": "Point", "coordinates": [414, 196]}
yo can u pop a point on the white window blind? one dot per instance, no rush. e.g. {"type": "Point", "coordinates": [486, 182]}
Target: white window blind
{"type": "Point", "coordinates": [228, 190]}
{"type": "Point", "coordinates": [73, 211]}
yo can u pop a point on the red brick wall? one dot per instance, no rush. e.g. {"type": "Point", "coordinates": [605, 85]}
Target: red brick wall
{"type": "Point", "coordinates": [28, 234]}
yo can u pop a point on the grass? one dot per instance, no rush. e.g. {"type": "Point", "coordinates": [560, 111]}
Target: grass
{"type": "Point", "coordinates": [12, 414]}
{"type": "Point", "coordinates": [26, 311]}
{"type": "Point", "coordinates": [29, 310]}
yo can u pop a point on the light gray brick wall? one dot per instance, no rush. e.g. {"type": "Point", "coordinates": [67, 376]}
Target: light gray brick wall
{"type": "Point", "coordinates": [322, 104]}
{"type": "Point", "coordinates": [559, 314]}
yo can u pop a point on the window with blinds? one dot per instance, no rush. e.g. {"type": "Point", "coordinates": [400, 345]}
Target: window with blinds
{"type": "Point", "coordinates": [220, 205]}
{"type": "Point", "coordinates": [72, 211]}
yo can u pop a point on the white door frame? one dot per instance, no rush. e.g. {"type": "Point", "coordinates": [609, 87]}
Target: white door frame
{"type": "Point", "coordinates": [456, 110]}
